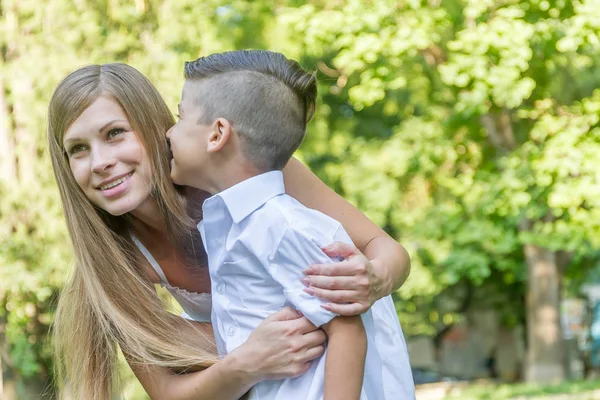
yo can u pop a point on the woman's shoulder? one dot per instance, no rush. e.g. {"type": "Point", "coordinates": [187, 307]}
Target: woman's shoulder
{"type": "Point", "coordinates": [149, 269]}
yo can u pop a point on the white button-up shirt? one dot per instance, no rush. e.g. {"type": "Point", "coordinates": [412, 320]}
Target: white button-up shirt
{"type": "Point", "coordinates": [258, 241]}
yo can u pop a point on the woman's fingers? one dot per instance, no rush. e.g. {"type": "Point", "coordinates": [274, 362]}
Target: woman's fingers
{"type": "Point", "coordinates": [340, 249]}
{"type": "Point", "coordinates": [315, 338]}
{"type": "Point", "coordinates": [331, 283]}
{"type": "Point", "coordinates": [282, 346]}
{"type": "Point", "coordinates": [336, 296]}
{"type": "Point", "coordinates": [337, 269]}
{"type": "Point", "coordinates": [285, 314]}
{"type": "Point", "coordinates": [300, 325]}
{"type": "Point", "coordinates": [351, 285]}
{"type": "Point", "coordinates": [356, 266]}
{"type": "Point", "coordinates": [313, 353]}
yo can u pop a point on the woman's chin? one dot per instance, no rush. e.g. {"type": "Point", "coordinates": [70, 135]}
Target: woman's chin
{"type": "Point", "coordinates": [117, 212]}
{"type": "Point", "coordinates": [120, 207]}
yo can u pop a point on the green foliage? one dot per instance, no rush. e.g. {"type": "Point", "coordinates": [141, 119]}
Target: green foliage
{"type": "Point", "coordinates": [490, 121]}
{"type": "Point", "coordinates": [448, 123]}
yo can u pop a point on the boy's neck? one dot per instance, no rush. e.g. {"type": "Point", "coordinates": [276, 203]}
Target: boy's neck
{"type": "Point", "coordinates": [234, 173]}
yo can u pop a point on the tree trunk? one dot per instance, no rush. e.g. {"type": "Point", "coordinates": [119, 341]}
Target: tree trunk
{"type": "Point", "coordinates": [545, 344]}
{"type": "Point", "coordinates": [544, 361]}
{"type": "Point", "coordinates": [8, 386]}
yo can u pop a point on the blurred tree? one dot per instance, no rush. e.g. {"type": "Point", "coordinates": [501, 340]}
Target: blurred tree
{"type": "Point", "coordinates": [466, 128]}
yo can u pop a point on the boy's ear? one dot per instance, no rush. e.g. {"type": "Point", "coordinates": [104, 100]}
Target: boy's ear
{"type": "Point", "coordinates": [221, 132]}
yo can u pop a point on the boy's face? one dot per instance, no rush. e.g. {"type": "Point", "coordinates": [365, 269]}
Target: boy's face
{"type": "Point", "coordinates": [188, 140]}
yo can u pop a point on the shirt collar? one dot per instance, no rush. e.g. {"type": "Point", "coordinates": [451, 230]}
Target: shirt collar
{"type": "Point", "coordinates": [249, 195]}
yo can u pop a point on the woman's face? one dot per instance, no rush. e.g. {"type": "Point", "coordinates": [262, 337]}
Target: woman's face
{"type": "Point", "coordinates": [107, 158]}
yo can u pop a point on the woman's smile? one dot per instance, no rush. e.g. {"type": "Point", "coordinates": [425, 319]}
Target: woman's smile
{"type": "Point", "coordinates": [115, 187]}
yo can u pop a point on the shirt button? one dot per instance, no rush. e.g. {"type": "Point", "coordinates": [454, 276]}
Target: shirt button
{"type": "Point", "coordinates": [220, 288]}
{"type": "Point", "coordinates": [231, 331]}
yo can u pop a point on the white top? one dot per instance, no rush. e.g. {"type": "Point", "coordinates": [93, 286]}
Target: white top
{"type": "Point", "coordinates": [258, 241]}
{"type": "Point", "coordinates": [196, 306]}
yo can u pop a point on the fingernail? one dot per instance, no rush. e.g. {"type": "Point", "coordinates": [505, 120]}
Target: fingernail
{"type": "Point", "coordinates": [326, 306]}
{"type": "Point", "coordinates": [310, 291]}
{"type": "Point", "coordinates": [307, 271]}
{"type": "Point", "coordinates": [305, 281]}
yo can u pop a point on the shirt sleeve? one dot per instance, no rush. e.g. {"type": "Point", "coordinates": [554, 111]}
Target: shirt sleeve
{"type": "Point", "coordinates": [295, 253]}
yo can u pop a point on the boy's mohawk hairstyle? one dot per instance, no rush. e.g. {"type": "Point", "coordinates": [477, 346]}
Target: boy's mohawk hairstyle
{"type": "Point", "coordinates": [276, 65]}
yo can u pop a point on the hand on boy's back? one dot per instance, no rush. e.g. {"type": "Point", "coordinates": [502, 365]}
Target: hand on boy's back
{"type": "Point", "coordinates": [350, 284]}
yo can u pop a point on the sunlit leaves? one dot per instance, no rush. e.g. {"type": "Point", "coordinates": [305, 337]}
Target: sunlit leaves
{"type": "Point", "coordinates": [495, 123]}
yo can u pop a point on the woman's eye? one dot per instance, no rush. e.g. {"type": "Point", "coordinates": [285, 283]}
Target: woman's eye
{"type": "Point", "coordinates": [178, 117]}
{"type": "Point", "coordinates": [114, 132]}
{"type": "Point", "coordinates": [78, 148]}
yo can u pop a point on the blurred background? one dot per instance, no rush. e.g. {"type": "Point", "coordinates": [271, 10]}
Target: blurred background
{"type": "Point", "coordinates": [467, 129]}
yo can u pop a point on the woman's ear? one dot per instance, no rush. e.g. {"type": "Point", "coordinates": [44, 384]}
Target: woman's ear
{"type": "Point", "coordinates": [221, 132]}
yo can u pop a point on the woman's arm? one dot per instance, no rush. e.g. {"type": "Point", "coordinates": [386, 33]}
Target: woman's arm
{"type": "Point", "coordinates": [222, 380]}
{"type": "Point", "coordinates": [283, 346]}
{"type": "Point", "coordinates": [382, 269]}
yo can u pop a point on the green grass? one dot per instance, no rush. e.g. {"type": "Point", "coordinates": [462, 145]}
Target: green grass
{"type": "Point", "coordinates": [500, 392]}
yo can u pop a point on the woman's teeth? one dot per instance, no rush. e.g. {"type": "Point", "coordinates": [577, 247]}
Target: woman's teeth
{"type": "Point", "coordinates": [115, 183]}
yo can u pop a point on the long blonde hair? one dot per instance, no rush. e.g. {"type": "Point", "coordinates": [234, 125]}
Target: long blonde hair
{"type": "Point", "coordinates": [109, 300]}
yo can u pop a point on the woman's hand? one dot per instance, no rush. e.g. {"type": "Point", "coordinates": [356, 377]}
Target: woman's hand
{"type": "Point", "coordinates": [352, 285]}
{"type": "Point", "coordinates": [282, 346]}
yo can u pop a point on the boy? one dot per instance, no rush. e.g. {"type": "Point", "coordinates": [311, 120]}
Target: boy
{"type": "Point", "coordinates": [242, 116]}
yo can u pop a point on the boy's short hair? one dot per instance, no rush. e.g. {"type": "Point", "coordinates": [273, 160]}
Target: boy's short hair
{"type": "Point", "coordinates": [266, 97]}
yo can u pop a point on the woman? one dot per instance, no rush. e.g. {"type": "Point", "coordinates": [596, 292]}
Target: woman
{"type": "Point", "coordinates": [132, 228]}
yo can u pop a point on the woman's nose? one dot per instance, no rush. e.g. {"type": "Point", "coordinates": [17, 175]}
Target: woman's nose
{"type": "Point", "coordinates": [102, 160]}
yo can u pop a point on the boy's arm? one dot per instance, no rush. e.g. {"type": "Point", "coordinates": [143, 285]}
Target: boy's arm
{"type": "Point", "coordinates": [347, 341]}
{"type": "Point", "coordinates": [345, 363]}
